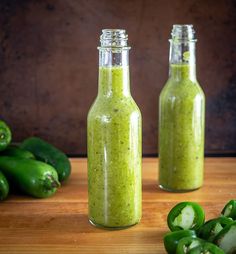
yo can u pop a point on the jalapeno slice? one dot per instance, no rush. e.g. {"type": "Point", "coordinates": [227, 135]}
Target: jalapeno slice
{"type": "Point", "coordinates": [230, 209]}
{"type": "Point", "coordinates": [186, 215]}
{"type": "Point", "coordinates": [206, 248]}
{"type": "Point", "coordinates": [171, 239]}
{"type": "Point", "coordinates": [188, 243]}
{"type": "Point", "coordinates": [212, 227]}
{"type": "Point", "coordinates": [226, 239]}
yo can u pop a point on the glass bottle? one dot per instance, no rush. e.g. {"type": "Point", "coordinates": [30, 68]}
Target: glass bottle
{"type": "Point", "coordinates": [181, 117]}
{"type": "Point", "coordinates": [114, 139]}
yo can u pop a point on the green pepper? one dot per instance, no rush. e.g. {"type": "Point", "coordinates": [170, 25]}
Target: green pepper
{"type": "Point", "coordinates": [43, 151]}
{"type": "Point", "coordinates": [33, 177]}
{"type": "Point", "coordinates": [230, 209]}
{"type": "Point", "coordinates": [188, 243]}
{"type": "Point", "coordinates": [5, 135]}
{"type": "Point", "coordinates": [206, 248]}
{"type": "Point", "coordinates": [212, 227]}
{"type": "Point", "coordinates": [171, 239]}
{"type": "Point", "coordinates": [17, 152]}
{"type": "Point", "coordinates": [226, 239]}
{"type": "Point", "coordinates": [186, 215]}
{"type": "Point", "coordinates": [4, 186]}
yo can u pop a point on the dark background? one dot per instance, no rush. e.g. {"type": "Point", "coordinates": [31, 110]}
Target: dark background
{"type": "Point", "coordinates": [49, 62]}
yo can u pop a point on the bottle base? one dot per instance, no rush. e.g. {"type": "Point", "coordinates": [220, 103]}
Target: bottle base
{"type": "Point", "coordinates": [177, 190]}
{"type": "Point", "coordinates": [111, 228]}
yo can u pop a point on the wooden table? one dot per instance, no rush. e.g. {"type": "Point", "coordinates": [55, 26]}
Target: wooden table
{"type": "Point", "coordinates": [59, 224]}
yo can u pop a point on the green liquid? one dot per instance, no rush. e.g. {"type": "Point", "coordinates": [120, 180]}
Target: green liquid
{"type": "Point", "coordinates": [114, 152]}
{"type": "Point", "coordinates": [181, 131]}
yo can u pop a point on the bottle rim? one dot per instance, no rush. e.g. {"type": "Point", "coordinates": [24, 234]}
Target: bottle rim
{"type": "Point", "coordinates": [182, 33]}
{"type": "Point", "coordinates": [114, 39]}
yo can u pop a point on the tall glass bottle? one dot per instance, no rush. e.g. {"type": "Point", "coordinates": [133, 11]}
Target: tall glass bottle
{"type": "Point", "coordinates": [181, 117]}
{"type": "Point", "coordinates": [114, 139]}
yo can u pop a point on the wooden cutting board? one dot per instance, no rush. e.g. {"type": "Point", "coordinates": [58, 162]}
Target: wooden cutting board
{"type": "Point", "coordinates": [59, 224]}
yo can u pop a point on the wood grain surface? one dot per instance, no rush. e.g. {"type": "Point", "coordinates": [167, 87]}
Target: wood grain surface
{"type": "Point", "coordinates": [59, 224]}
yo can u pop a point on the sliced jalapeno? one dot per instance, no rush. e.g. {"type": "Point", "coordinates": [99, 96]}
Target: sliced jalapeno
{"type": "Point", "coordinates": [171, 239]}
{"type": "Point", "coordinates": [188, 243]}
{"type": "Point", "coordinates": [206, 248]}
{"type": "Point", "coordinates": [230, 209]}
{"type": "Point", "coordinates": [226, 239]}
{"type": "Point", "coordinates": [212, 227]}
{"type": "Point", "coordinates": [186, 215]}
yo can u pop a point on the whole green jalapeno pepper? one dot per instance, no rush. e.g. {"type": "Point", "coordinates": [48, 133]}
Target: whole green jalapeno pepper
{"type": "Point", "coordinates": [33, 177]}
{"type": "Point", "coordinates": [5, 135]}
{"type": "Point", "coordinates": [43, 151]}
{"type": "Point", "coordinates": [15, 151]}
{"type": "Point", "coordinates": [4, 187]}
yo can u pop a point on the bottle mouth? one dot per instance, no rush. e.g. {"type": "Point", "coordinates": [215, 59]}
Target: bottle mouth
{"type": "Point", "coordinates": [181, 33]}
{"type": "Point", "coordinates": [114, 38]}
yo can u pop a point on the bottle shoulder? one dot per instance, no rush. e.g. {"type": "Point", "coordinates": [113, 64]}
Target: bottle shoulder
{"type": "Point", "coordinates": [114, 107]}
{"type": "Point", "coordinates": [182, 89]}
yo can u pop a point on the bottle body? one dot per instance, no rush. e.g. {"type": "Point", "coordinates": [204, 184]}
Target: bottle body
{"type": "Point", "coordinates": [114, 152]}
{"type": "Point", "coordinates": [181, 130]}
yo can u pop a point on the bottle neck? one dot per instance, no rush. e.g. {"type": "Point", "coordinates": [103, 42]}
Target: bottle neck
{"type": "Point", "coordinates": [113, 73]}
{"type": "Point", "coordinates": [114, 64]}
{"type": "Point", "coordinates": [182, 53]}
{"type": "Point", "coordinates": [182, 61]}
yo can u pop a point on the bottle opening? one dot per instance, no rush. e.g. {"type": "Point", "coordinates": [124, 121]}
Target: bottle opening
{"type": "Point", "coordinates": [184, 32]}
{"type": "Point", "coordinates": [114, 38]}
